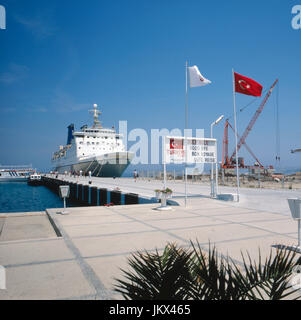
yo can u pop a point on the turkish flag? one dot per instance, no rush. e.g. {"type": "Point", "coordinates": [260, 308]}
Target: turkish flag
{"type": "Point", "coordinates": [176, 144]}
{"type": "Point", "coordinates": [247, 86]}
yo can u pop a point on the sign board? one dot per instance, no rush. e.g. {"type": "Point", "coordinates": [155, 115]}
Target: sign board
{"type": "Point", "coordinates": [295, 208]}
{"type": "Point", "coordinates": [190, 150]}
{"type": "Point", "coordinates": [64, 191]}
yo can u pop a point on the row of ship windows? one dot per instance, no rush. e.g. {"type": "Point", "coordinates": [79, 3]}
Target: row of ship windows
{"type": "Point", "coordinates": [97, 143]}
{"type": "Point", "coordinates": [102, 149]}
{"type": "Point", "coordinates": [96, 131]}
{"type": "Point", "coordinates": [117, 138]}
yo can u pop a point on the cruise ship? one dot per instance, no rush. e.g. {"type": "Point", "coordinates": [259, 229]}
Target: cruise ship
{"type": "Point", "coordinates": [15, 173]}
{"type": "Point", "coordinates": [95, 150]}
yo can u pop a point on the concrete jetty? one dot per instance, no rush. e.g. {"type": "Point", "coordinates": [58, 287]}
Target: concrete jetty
{"type": "Point", "coordinates": [94, 192]}
{"type": "Point", "coordinates": [47, 255]}
{"type": "Point", "coordinates": [143, 191]}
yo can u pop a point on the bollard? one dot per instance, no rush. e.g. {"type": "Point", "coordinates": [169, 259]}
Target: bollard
{"type": "Point", "coordinates": [103, 196]}
{"type": "Point", "coordinates": [116, 197]}
{"type": "Point", "coordinates": [94, 196]}
{"type": "Point", "coordinates": [131, 198]}
{"type": "Point", "coordinates": [73, 189]}
{"type": "Point", "coordinates": [80, 192]}
{"type": "Point", "coordinates": [86, 193]}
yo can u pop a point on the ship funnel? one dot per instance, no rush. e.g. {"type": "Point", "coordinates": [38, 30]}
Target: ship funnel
{"type": "Point", "coordinates": [70, 133]}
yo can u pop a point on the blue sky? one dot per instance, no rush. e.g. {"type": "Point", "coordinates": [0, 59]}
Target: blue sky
{"type": "Point", "coordinates": [57, 58]}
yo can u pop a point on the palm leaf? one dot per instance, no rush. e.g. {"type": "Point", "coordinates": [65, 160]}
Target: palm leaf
{"type": "Point", "coordinates": [155, 276]}
{"type": "Point", "coordinates": [180, 274]}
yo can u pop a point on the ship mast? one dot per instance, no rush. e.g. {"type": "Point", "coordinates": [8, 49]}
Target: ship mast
{"type": "Point", "coordinates": [96, 113]}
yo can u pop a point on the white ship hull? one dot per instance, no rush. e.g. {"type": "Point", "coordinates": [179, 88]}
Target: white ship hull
{"type": "Point", "coordinates": [107, 165]}
{"type": "Point", "coordinates": [15, 175]}
{"type": "Point", "coordinates": [95, 149]}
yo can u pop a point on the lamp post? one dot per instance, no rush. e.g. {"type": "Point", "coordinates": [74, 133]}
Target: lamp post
{"type": "Point", "coordinates": [213, 193]}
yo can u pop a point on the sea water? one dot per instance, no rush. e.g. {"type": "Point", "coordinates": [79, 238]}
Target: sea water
{"type": "Point", "coordinates": [20, 197]}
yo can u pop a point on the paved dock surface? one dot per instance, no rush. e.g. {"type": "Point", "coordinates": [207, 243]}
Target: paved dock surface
{"type": "Point", "coordinates": [259, 199]}
{"type": "Point", "coordinates": [95, 242]}
{"type": "Point", "coordinates": [22, 226]}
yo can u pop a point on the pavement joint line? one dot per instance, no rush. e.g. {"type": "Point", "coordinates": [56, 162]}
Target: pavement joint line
{"type": "Point", "coordinates": [203, 246]}
{"type": "Point", "coordinates": [256, 221]}
{"type": "Point", "coordinates": [149, 225]}
{"type": "Point", "coordinates": [295, 233]}
{"type": "Point", "coordinates": [54, 226]}
{"type": "Point", "coordinates": [254, 227]}
{"type": "Point", "coordinates": [182, 239]}
{"type": "Point", "coordinates": [126, 253]}
{"type": "Point", "coordinates": [87, 297]}
{"type": "Point", "coordinates": [131, 252]}
{"type": "Point", "coordinates": [241, 214]}
{"type": "Point", "coordinates": [121, 222]}
{"type": "Point", "coordinates": [266, 211]}
{"type": "Point", "coordinates": [224, 223]}
{"type": "Point", "coordinates": [9, 242]}
{"type": "Point", "coordinates": [88, 272]}
{"type": "Point", "coordinates": [156, 228]}
{"type": "Point", "coordinates": [84, 297]}
{"type": "Point", "coordinates": [113, 234]}
{"type": "Point", "coordinates": [95, 224]}
{"type": "Point", "coordinates": [147, 231]}
{"type": "Point", "coordinates": [245, 225]}
{"type": "Point", "coordinates": [2, 226]}
{"type": "Point", "coordinates": [223, 209]}
{"type": "Point", "coordinates": [220, 217]}
{"type": "Point", "coordinates": [229, 215]}
{"type": "Point", "coordinates": [4, 215]}
{"type": "Point", "coordinates": [33, 263]}
{"type": "Point", "coordinates": [251, 209]}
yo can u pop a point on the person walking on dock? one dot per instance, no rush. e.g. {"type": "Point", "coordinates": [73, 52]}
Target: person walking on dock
{"type": "Point", "coordinates": [135, 175]}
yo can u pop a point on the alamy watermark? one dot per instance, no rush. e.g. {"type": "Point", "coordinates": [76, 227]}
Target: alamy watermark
{"type": "Point", "coordinates": [143, 147]}
{"type": "Point", "coordinates": [2, 17]}
{"type": "Point", "coordinates": [2, 278]}
{"type": "Point", "coordinates": [296, 21]}
{"type": "Point", "coordinates": [147, 148]}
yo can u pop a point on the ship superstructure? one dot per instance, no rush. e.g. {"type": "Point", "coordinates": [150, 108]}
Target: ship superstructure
{"type": "Point", "coordinates": [15, 173]}
{"type": "Point", "coordinates": [93, 149]}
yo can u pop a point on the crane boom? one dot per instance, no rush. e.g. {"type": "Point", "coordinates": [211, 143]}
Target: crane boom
{"type": "Point", "coordinates": [253, 120]}
{"type": "Point", "coordinates": [247, 147]}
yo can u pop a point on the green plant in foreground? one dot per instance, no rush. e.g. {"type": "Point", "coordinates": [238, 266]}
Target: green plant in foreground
{"type": "Point", "coordinates": [157, 277]}
{"type": "Point", "coordinates": [193, 274]}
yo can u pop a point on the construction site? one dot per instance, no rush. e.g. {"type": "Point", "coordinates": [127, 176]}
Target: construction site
{"type": "Point", "coordinates": [256, 171]}
{"type": "Point", "coordinates": [228, 164]}
{"type": "Point", "coordinates": [252, 175]}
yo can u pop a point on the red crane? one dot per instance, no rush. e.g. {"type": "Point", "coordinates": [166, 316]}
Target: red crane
{"type": "Point", "coordinates": [229, 163]}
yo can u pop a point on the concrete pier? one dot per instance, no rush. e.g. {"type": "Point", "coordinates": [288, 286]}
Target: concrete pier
{"type": "Point", "coordinates": [89, 193]}
{"type": "Point", "coordinates": [47, 255]}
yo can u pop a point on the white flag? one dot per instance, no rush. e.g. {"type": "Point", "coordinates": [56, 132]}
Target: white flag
{"type": "Point", "coordinates": [196, 78]}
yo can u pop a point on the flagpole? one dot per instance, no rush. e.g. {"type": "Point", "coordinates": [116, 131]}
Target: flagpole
{"type": "Point", "coordinates": [164, 162]}
{"type": "Point", "coordinates": [235, 129]}
{"type": "Point", "coordinates": [186, 127]}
